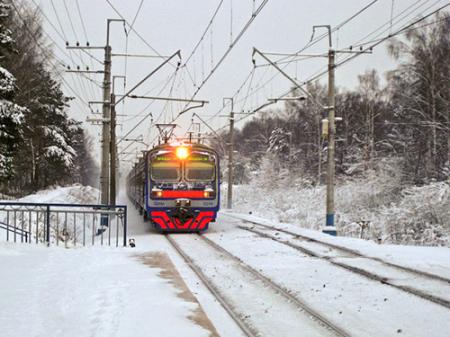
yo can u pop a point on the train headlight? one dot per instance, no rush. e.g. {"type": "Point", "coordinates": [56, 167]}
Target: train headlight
{"type": "Point", "coordinates": [182, 152]}
{"type": "Point", "coordinates": [157, 194]}
{"type": "Point", "coordinates": [209, 194]}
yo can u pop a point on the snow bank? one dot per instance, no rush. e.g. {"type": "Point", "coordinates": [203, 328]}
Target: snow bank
{"type": "Point", "coordinates": [75, 194]}
{"type": "Point", "coordinates": [64, 228]}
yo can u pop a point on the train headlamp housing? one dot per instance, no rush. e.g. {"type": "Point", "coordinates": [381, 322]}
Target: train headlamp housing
{"type": "Point", "coordinates": [209, 193]}
{"type": "Point", "coordinates": [157, 193]}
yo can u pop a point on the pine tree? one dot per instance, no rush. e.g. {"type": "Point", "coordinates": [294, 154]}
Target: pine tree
{"type": "Point", "coordinates": [46, 153]}
{"type": "Point", "coordinates": [11, 114]}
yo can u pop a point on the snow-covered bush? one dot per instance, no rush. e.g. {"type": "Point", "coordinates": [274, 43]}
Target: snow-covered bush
{"type": "Point", "coordinates": [374, 207]}
{"type": "Point", "coordinates": [421, 217]}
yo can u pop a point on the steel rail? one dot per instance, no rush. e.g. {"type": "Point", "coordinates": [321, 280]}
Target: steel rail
{"type": "Point", "coordinates": [280, 290]}
{"type": "Point", "coordinates": [248, 331]}
{"type": "Point", "coordinates": [351, 251]}
{"type": "Point", "coordinates": [370, 275]}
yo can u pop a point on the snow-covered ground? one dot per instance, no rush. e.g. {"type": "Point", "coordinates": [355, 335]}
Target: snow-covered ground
{"type": "Point", "coordinates": [151, 291]}
{"type": "Point", "coordinates": [76, 194]}
{"type": "Point", "coordinates": [93, 292]}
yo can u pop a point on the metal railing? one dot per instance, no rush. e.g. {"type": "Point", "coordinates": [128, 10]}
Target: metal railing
{"type": "Point", "coordinates": [68, 224]}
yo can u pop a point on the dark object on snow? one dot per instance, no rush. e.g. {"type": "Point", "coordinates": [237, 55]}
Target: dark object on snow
{"type": "Point", "coordinates": [101, 230]}
{"type": "Point", "coordinates": [250, 212]}
{"type": "Point", "coordinates": [131, 243]}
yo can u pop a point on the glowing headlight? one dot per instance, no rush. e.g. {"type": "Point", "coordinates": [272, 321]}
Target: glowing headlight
{"type": "Point", "coordinates": [182, 152]}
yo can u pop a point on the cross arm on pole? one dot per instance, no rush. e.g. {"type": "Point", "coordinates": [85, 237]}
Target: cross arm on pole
{"type": "Point", "coordinates": [296, 84]}
{"type": "Point", "coordinates": [177, 53]}
{"type": "Point", "coordinates": [168, 99]}
{"type": "Point", "coordinates": [213, 131]}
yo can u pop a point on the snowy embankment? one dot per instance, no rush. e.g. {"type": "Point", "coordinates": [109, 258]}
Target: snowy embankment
{"type": "Point", "coordinates": [75, 194]}
{"type": "Point", "coordinates": [373, 208]}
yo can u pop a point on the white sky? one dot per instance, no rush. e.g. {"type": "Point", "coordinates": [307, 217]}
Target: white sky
{"type": "Point", "coordinates": [169, 25]}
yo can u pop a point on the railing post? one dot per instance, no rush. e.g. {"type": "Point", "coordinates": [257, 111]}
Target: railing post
{"type": "Point", "coordinates": [47, 225]}
{"type": "Point", "coordinates": [125, 227]}
{"type": "Point", "coordinates": [7, 225]}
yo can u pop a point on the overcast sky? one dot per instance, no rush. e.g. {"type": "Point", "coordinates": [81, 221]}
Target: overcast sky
{"type": "Point", "coordinates": [283, 26]}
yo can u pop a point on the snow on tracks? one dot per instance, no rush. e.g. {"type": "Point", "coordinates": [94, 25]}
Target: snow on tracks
{"type": "Point", "coordinates": [257, 304]}
{"type": "Point", "coordinates": [424, 285]}
{"type": "Point", "coordinates": [362, 306]}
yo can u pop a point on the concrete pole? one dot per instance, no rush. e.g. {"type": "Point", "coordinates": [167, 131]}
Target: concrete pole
{"type": "Point", "coordinates": [329, 226]}
{"type": "Point", "coordinates": [113, 148]}
{"type": "Point", "coordinates": [104, 177]}
{"type": "Point", "coordinates": [230, 158]}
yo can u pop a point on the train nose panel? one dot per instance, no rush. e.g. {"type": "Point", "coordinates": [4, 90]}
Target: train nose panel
{"type": "Point", "coordinates": [177, 221]}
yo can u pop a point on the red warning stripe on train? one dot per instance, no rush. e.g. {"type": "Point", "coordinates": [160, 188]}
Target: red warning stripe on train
{"type": "Point", "coordinates": [183, 194]}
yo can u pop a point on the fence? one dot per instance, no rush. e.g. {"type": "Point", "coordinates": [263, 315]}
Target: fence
{"type": "Point", "coordinates": [68, 224]}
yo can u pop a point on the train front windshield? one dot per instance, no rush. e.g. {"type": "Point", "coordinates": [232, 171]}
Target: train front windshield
{"type": "Point", "coordinates": [165, 168]}
{"type": "Point", "coordinates": [197, 171]}
{"type": "Point", "coordinates": [200, 168]}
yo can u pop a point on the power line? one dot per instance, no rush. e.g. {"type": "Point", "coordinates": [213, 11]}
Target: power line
{"type": "Point", "coordinates": [61, 35]}
{"type": "Point", "coordinates": [84, 31]}
{"type": "Point", "coordinates": [76, 38]}
{"type": "Point", "coordinates": [353, 56]}
{"type": "Point", "coordinates": [82, 21]}
{"type": "Point", "coordinates": [308, 45]}
{"type": "Point", "coordinates": [411, 29]}
{"type": "Point", "coordinates": [134, 30]}
{"type": "Point", "coordinates": [65, 36]}
{"type": "Point", "coordinates": [232, 44]}
{"type": "Point", "coordinates": [398, 18]}
{"type": "Point", "coordinates": [137, 13]}
{"type": "Point", "coordinates": [205, 31]}
{"type": "Point", "coordinates": [126, 44]}
{"type": "Point", "coordinates": [148, 105]}
{"type": "Point", "coordinates": [38, 44]}
{"type": "Point", "coordinates": [312, 42]}
{"type": "Point", "coordinates": [400, 31]}
{"type": "Point", "coordinates": [80, 84]}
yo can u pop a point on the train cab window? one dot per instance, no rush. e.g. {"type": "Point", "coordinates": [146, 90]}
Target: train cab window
{"type": "Point", "coordinates": [200, 168]}
{"type": "Point", "coordinates": [165, 168]}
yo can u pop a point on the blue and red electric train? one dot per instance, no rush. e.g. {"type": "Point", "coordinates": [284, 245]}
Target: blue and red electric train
{"type": "Point", "coordinates": [176, 186]}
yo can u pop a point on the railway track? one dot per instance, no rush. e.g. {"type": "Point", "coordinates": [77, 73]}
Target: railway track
{"type": "Point", "coordinates": [427, 286]}
{"type": "Point", "coordinates": [284, 305]}
{"type": "Point", "coordinates": [246, 330]}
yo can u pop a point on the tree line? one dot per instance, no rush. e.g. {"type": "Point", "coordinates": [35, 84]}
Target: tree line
{"type": "Point", "coordinates": [40, 145]}
{"type": "Point", "coordinates": [406, 120]}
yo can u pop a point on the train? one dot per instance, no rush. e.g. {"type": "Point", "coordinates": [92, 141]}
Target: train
{"type": "Point", "coordinates": [176, 186]}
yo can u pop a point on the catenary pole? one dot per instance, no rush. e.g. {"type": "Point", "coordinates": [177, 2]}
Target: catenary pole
{"type": "Point", "coordinates": [113, 151]}
{"type": "Point", "coordinates": [329, 224]}
{"type": "Point", "coordinates": [104, 176]}
{"type": "Point", "coordinates": [330, 227]}
{"type": "Point", "coordinates": [230, 157]}
{"type": "Point", "coordinates": [106, 114]}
